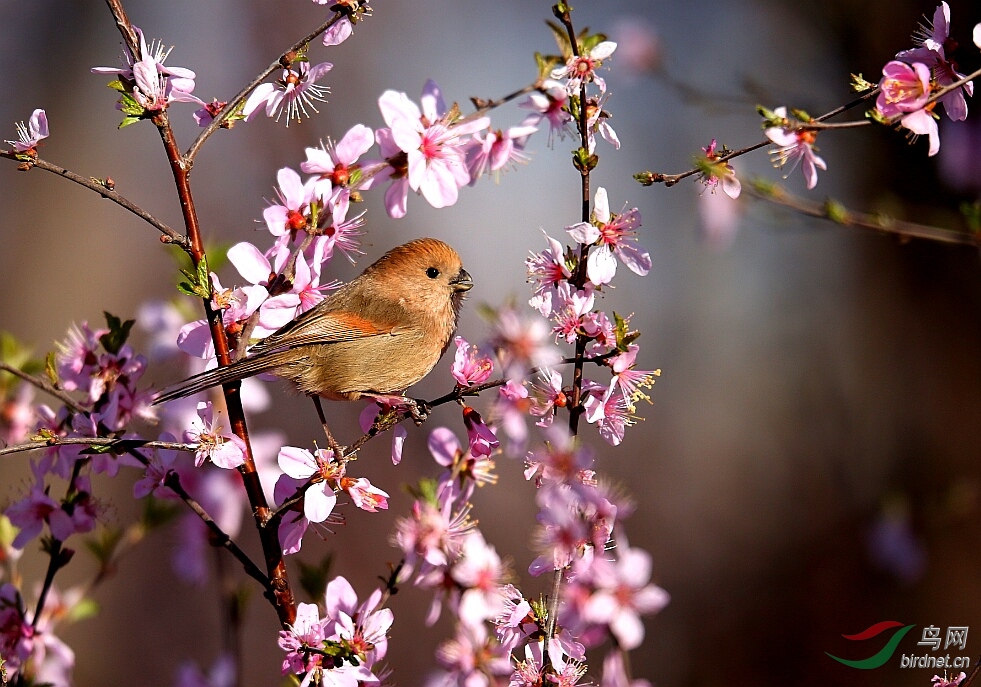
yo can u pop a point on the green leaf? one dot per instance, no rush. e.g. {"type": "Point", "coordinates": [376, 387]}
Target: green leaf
{"type": "Point", "coordinates": [835, 211]}
{"type": "Point", "coordinates": [118, 85]}
{"type": "Point", "coordinates": [7, 532]}
{"type": "Point", "coordinates": [118, 333]}
{"type": "Point", "coordinates": [83, 610]}
{"type": "Point", "coordinates": [546, 63]}
{"type": "Point", "coordinates": [313, 576]}
{"type": "Point", "coordinates": [972, 215]}
{"type": "Point", "coordinates": [129, 106]}
{"type": "Point", "coordinates": [425, 491]}
{"type": "Point", "coordinates": [199, 282]}
{"type": "Point", "coordinates": [561, 39]}
{"type": "Point", "coordinates": [157, 512]}
{"type": "Point", "coordinates": [104, 544]}
{"type": "Point", "coordinates": [625, 336]}
{"type": "Point", "coordinates": [50, 369]}
{"type": "Point", "coordinates": [127, 121]}
{"type": "Point", "coordinates": [587, 42]}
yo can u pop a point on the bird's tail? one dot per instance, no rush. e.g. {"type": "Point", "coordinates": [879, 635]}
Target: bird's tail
{"type": "Point", "coordinates": [240, 369]}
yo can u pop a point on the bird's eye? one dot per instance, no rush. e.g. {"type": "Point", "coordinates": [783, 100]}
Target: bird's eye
{"type": "Point", "coordinates": [432, 272]}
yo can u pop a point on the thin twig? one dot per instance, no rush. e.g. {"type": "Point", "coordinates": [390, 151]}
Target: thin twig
{"type": "Point", "coordinates": [672, 179]}
{"type": "Point", "coordinates": [974, 674]}
{"type": "Point", "coordinates": [114, 444]}
{"type": "Point", "coordinates": [833, 211]}
{"type": "Point", "coordinates": [280, 592]}
{"type": "Point", "coordinates": [45, 386]}
{"type": "Point", "coordinates": [172, 481]}
{"type": "Point", "coordinates": [331, 441]}
{"type": "Point", "coordinates": [168, 235]}
{"type": "Point", "coordinates": [281, 62]}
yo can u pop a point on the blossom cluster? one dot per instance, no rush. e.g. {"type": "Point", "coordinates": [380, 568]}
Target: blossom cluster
{"type": "Point", "coordinates": [345, 645]}
{"type": "Point", "coordinates": [911, 86]}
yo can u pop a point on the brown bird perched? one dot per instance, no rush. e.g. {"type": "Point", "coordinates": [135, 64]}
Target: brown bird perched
{"type": "Point", "coordinates": [376, 336]}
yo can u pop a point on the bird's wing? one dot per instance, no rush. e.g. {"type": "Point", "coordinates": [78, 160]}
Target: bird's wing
{"type": "Point", "coordinates": [324, 328]}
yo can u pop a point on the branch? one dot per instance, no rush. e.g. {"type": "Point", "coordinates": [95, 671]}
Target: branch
{"type": "Point", "coordinates": [279, 583]}
{"type": "Point", "coordinates": [45, 386]}
{"type": "Point", "coordinates": [833, 210]}
{"type": "Point", "coordinates": [116, 445]}
{"type": "Point", "coordinates": [649, 178]}
{"type": "Point", "coordinates": [485, 106]}
{"type": "Point", "coordinates": [172, 481]}
{"type": "Point", "coordinates": [168, 235]}
{"type": "Point", "coordinates": [281, 62]}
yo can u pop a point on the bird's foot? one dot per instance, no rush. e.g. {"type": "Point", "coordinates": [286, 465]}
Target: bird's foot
{"type": "Point", "coordinates": [419, 410]}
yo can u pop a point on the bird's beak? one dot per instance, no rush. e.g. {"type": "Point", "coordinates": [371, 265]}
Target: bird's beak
{"type": "Point", "coordinates": [462, 281]}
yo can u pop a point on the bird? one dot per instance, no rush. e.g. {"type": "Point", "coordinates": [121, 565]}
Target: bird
{"type": "Point", "coordinates": [374, 337]}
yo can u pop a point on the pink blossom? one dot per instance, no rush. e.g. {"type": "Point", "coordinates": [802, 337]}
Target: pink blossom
{"type": "Point", "coordinates": [572, 311]}
{"type": "Point", "coordinates": [365, 495]}
{"type": "Point", "coordinates": [396, 168]}
{"type": "Point", "coordinates": [482, 439]}
{"type": "Point", "coordinates": [30, 513]}
{"type": "Point", "coordinates": [159, 464]}
{"type": "Point", "coordinates": [224, 450]}
{"type": "Point", "coordinates": [720, 171]}
{"type": "Point", "coordinates": [222, 674]}
{"type": "Point", "coordinates": [508, 412]}
{"type": "Point", "coordinates": [946, 681]}
{"type": "Point", "coordinates": [610, 410]}
{"type": "Point", "coordinates": [623, 593]}
{"type": "Point", "coordinates": [547, 396]}
{"type": "Point", "coordinates": [561, 459]}
{"type": "Point", "coordinates": [612, 233]}
{"type": "Point", "coordinates": [364, 629]}
{"type": "Point", "coordinates": [28, 135]}
{"type": "Point", "coordinates": [615, 672]}
{"type": "Point", "coordinates": [933, 41]}
{"type": "Point", "coordinates": [469, 369]}
{"type": "Point", "coordinates": [796, 146]}
{"type": "Point", "coordinates": [597, 121]}
{"type": "Point", "coordinates": [480, 573]}
{"type": "Point", "coordinates": [308, 630]}
{"type": "Point", "coordinates": [433, 534]}
{"type": "Point", "coordinates": [154, 85]}
{"type": "Point", "coordinates": [293, 92]}
{"type": "Point", "coordinates": [903, 92]}
{"type": "Point", "coordinates": [546, 270]}
{"type": "Point", "coordinates": [339, 32]}
{"type": "Point", "coordinates": [521, 343]}
{"type": "Point", "coordinates": [581, 69]}
{"type": "Point", "coordinates": [334, 163]}
{"type": "Point", "coordinates": [433, 142]}
{"type": "Point", "coordinates": [17, 415]}
{"type": "Point", "coordinates": [319, 499]}
{"type": "Point", "coordinates": [496, 150]}
{"type": "Point", "coordinates": [294, 523]}
{"type": "Point", "coordinates": [631, 381]}
{"type": "Point", "coordinates": [562, 535]}
{"type": "Point", "coordinates": [291, 213]}
{"type": "Point", "coordinates": [549, 103]}
{"type": "Point", "coordinates": [31, 652]}
{"type": "Point", "coordinates": [464, 469]}
{"type": "Point", "coordinates": [472, 658]}
{"type": "Point", "coordinates": [719, 220]}
{"type": "Point", "coordinates": [206, 114]}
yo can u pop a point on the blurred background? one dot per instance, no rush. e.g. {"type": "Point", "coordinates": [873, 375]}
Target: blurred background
{"type": "Point", "coordinates": [810, 463]}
